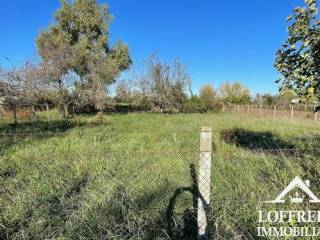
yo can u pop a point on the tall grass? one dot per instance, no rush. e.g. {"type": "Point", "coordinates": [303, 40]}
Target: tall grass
{"type": "Point", "coordinates": [63, 180]}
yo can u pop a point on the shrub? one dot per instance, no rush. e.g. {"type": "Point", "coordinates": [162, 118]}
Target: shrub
{"type": "Point", "coordinates": [195, 105]}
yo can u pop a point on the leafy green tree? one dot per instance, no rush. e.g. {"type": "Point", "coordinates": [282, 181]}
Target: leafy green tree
{"type": "Point", "coordinates": [123, 92]}
{"type": "Point", "coordinates": [195, 105]}
{"type": "Point", "coordinates": [268, 99]}
{"type": "Point", "coordinates": [78, 42]}
{"type": "Point", "coordinates": [298, 59]}
{"type": "Point", "coordinates": [207, 96]}
{"type": "Point", "coordinates": [234, 93]}
{"type": "Point", "coordinates": [285, 97]}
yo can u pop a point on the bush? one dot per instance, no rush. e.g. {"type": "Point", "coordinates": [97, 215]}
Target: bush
{"type": "Point", "coordinates": [198, 105]}
{"type": "Point", "coordinates": [195, 105]}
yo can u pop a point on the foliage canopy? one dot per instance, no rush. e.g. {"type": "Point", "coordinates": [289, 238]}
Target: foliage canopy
{"type": "Point", "coordinates": [78, 41]}
{"type": "Point", "coordinates": [299, 57]}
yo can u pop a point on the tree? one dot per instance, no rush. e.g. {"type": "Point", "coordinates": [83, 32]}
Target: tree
{"type": "Point", "coordinates": [299, 57]}
{"type": "Point", "coordinates": [164, 84]}
{"type": "Point", "coordinates": [78, 42]}
{"type": "Point", "coordinates": [234, 93]}
{"type": "Point", "coordinates": [18, 87]}
{"type": "Point", "coordinates": [10, 92]}
{"type": "Point", "coordinates": [268, 99]}
{"type": "Point", "coordinates": [168, 83]}
{"type": "Point", "coordinates": [285, 97]}
{"type": "Point", "coordinates": [123, 92]}
{"type": "Point", "coordinates": [207, 96]}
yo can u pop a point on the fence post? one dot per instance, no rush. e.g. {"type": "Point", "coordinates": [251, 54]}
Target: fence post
{"type": "Point", "coordinates": [205, 156]}
{"type": "Point", "coordinates": [274, 112]}
{"type": "Point", "coordinates": [238, 108]}
{"type": "Point", "coordinates": [33, 113]}
{"type": "Point", "coordinates": [47, 109]}
{"type": "Point", "coordinates": [291, 112]}
{"type": "Point", "coordinates": [315, 116]}
{"type": "Point", "coordinates": [260, 109]}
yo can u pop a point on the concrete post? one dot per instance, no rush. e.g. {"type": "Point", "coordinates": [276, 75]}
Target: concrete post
{"type": "Point", "coordinates": [291, 112]}
{"type": "Point", "coordinates": [260, 108]}
{"type": "Point", "coordinates": [204, 181]}
{"type": "Point", "coordinates": [33, 113]}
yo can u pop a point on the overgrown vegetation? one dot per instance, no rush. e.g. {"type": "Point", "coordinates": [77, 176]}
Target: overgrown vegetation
{"type": "Point", "coordinates": [92, 177]}
{"type": "Point", "coordinates": [115, 180]}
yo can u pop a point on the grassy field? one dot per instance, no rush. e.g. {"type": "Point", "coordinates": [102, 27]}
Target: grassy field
{"type": "Point", "coordinates": [63, 180]}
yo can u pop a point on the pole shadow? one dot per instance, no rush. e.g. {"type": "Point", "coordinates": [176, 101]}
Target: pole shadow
{"type": "Point", "coordinates": [186, 227]}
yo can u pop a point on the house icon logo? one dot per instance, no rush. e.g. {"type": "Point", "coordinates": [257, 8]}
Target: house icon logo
{"type": "Point", "coordinates": [296, 184]}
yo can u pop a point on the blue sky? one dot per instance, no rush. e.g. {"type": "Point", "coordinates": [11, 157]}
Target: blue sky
{"type": "Point", "coordinates": [220, 41]}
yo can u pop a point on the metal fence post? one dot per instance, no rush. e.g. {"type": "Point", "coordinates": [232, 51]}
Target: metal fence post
{"type": "Point", "coordinates": [204, 181]}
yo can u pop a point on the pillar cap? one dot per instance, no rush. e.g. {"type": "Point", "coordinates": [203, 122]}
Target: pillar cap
{"type": "Point", "coordinates": [206, 129]}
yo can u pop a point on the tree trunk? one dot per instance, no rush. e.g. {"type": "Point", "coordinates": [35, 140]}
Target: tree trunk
{"type": "Point", "coordinates": [33, 113]}
{"type": "Point", "coordinates": [15, 119]}
{"type": "Point", "coordinates": [65, 111]}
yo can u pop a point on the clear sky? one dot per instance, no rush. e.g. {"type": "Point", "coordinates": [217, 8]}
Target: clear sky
{"type": "Point", "coordinates": [220, 41]}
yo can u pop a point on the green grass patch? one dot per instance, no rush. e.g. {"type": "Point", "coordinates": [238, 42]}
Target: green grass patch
{"type": "Point", "coordinates": [65, 180]}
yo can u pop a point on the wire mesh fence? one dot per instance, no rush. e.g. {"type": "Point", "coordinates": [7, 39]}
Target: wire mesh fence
{"type": "Point", "coordinates": [47, 112]}
{"type": "Point", "coordinates": [132, 190]}
{"type": "Point", "coordinates": [297, 112]}
{"type": "Point", "coordinates": [135, 185]}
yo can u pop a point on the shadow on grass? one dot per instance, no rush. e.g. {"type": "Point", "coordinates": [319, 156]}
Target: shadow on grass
{"type": "Point", "coordinates": [122, 216]}
{"type": "Point", "coordinates": [255, 140]}
{"type": "Point", "coordinates": [184, 226]}
{"type": "Point", "coordinates": [303, 146]}
{"type": "Point", "coordinates": [304, 149]}
{"type": "Point", "coordinates": [14, 134]}
{"type": "Point", "coordinates": [52, 210]}
{"type": "Point", "coordinates": [57, 126]}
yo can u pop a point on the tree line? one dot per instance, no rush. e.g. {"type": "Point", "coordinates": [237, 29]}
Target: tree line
{"type": "Point", "coordinates": [77, 61]}
{"type": "Point", "coordinates": [167, 87]}
{"type": "Point", "coordinates": [77, 64]}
